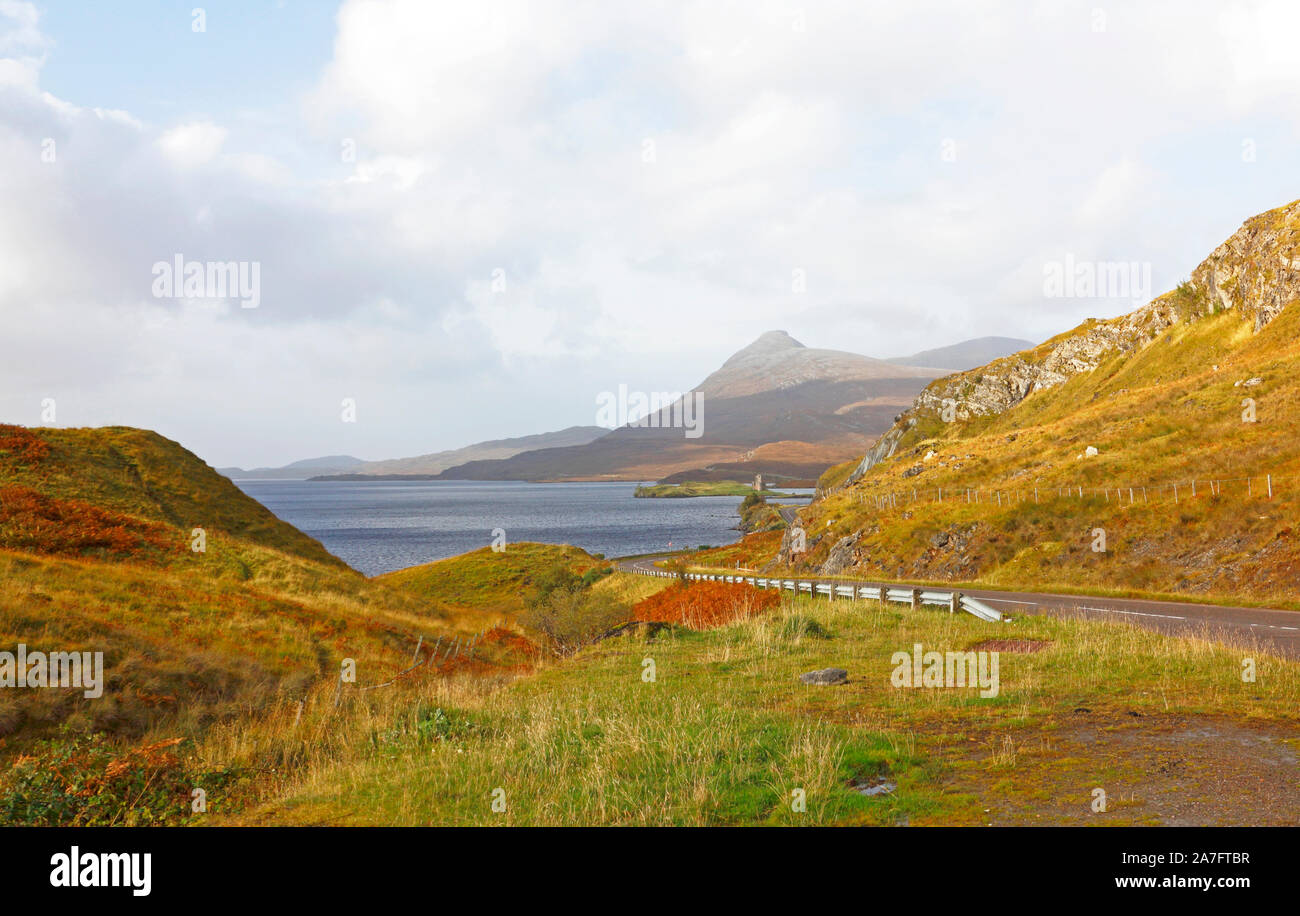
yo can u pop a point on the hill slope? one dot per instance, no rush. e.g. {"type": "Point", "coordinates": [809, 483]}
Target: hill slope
{"type": "Point", "coordinates": [96, 537]}
{"type": "Point", "coordinates": [1180, 481]}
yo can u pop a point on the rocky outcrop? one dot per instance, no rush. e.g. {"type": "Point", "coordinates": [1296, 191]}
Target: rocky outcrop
{"type": "Point", "coordinates": [1256, 272]}
{"type": "Point", "coordinates": [843, 555]}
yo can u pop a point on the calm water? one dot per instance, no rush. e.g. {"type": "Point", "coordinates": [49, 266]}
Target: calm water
{"type": "Point", "coordinates": [380, 526]}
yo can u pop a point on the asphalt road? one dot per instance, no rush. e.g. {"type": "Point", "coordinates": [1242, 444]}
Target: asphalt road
{"type": "Point", "coordinates": [1274, 630]}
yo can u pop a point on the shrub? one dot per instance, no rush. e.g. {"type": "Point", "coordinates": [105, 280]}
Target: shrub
{"type": "Point", "coordinates": [556, 577]}
{"type": "Point", "coordinates": [570, 618]}
{"type": "Point", "coordinates": [705, 604]}
{"type": "Point", "coordinates": [84, 781]}
{"type": "Point", "coordinates": [595, 574]}
{"type": "Point", "coordinates": [21, 447]}
{"type": "Point", "coordinates": [42, 524]}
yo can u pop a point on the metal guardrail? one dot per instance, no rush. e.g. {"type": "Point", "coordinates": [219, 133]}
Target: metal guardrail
{"type": "Point", "coordinates": [916, 597]}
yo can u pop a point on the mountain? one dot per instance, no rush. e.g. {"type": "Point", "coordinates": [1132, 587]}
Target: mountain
{"type": "Point", "coordinates": [420, 465]}
{"type": "Point", "coordinates": [332, 464]}
{"type": "Point", "coordinates": [965, 355]}
{"type": "Point", "coordinates": [480, 451]}
{"type": "Point", "coordinates": [774, 407]}
{"type": "Point", "coordinates": [1153, 453]}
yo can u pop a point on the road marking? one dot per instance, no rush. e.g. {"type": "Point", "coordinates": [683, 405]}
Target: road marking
{"type": "Point", "coordinates": [1111, 610]}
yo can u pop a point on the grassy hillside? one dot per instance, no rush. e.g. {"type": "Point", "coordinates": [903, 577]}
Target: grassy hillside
{"type": "Point", "coordinates": [95, 556]}
{"type": "Point", "coordinates": [223, 674]}
{"type": "Point", "coordinates": [1160, 432]}
{"type": "Point", "coordinates": [139, 473]}
{"type": "Point", "coordinates": [1021, 507]}
{"type": "Point", "coordinates": [485, 586]}
{"type": "Point", "coordinates": [725, 733]}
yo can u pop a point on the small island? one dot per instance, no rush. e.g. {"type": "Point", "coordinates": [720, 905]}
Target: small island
{"type": "Point", "coordinates": [706, 488]}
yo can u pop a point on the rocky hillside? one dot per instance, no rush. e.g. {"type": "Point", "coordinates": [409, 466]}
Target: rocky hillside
{"type": "Point", "coordinates": [1255, 273]}
{"type": "Point", "coordinates": [1173, 430]}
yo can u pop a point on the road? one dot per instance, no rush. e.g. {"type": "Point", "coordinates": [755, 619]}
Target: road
{"type": "Point", "coordinates": [1275, 630]}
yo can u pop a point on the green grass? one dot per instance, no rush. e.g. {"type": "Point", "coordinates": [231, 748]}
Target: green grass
{"type": "Point", "coordinates": [485, 585]}
{"type": "Point", "coordinates": [726, 733]}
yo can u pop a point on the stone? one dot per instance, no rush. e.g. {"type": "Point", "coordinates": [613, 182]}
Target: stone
{"type": "Point", "coordinates": [825, 677]}
{"type": "Point", "coordinates": [1090, 451]}
{"type": "Point", "coordinates": [842, 555]}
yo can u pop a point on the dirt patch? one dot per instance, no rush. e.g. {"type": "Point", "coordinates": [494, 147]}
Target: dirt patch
{"type": "Point", "coordinates": [1154, 770]}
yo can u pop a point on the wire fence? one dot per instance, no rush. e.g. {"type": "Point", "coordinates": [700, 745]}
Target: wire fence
{"type": "Point", "coordinates": [1263, 487]}
{"type": "Point", "coordinates": [455, 649]}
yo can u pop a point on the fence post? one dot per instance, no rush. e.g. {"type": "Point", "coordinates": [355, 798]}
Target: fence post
{"type": "Point", "coordinates": [916, 598]}
{"type": "Point", "coordinates": [954, 602]}
{"type": "Point", "coordinates": [416, 657]}
{"type": "Point", "coordinates": [1270, 486]}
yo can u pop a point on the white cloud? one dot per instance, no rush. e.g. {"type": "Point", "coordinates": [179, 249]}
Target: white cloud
{"type": "Point", "coordinates": [192, 144]}
{"type": "Point", "coordinates": [511, 135]}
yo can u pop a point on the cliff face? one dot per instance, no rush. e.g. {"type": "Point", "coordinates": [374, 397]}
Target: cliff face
{"type": "Point", "coordinates": [1256, 272]}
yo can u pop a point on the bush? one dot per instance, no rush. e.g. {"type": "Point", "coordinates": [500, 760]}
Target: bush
{"type": "Point", "coordinates": [751, 500]}
{"type": "Point", "coordinates": [555, 578]}
{"type": "Point", "coordinates": [595, 574]}
{"type": "Point", "coordinates": [570, 618]}
{"type": "Point", "coordinates": [701, 605]}
{"type": "Point", "coordinates": [69, 527]}
{"type": "Point", "coordinates": [85, 781]}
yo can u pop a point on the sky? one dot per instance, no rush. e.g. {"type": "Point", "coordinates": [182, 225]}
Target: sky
{"type": "Point", "coordinates": [467, 220]}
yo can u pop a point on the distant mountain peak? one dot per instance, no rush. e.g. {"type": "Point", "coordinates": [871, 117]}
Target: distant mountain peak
{"type": "Point", "coordinates": [772, 340]}
{"type": "Point", "coordinates": [776, 361]}
{"type": "Point", "coordinates": [768, 343]}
